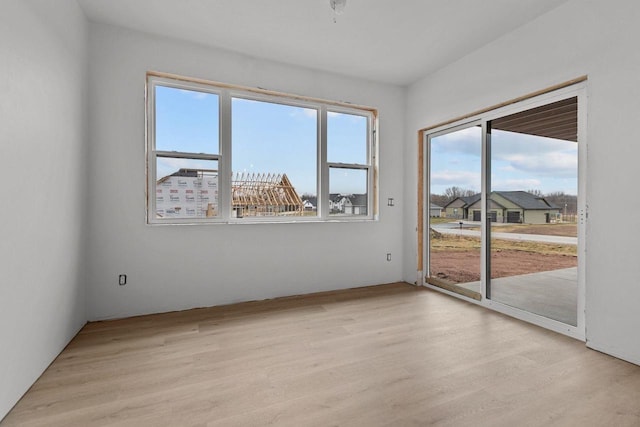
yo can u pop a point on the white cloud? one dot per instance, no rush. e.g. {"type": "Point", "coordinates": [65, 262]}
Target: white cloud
{"type": "Point", "coordinates": [557, 164]}
{"type": "Point", "coordinates": [201, 95]}
{"type": "Point", "coordinates": [523, 152]}
{"type": "Point", "coordinates": [310, 112]}
{"type": "Point", "coordinates": [306, 113]}
{"type": "Point", "coordinates": [512, 143]}
{"type": "Point", "coordinates": [195, 94]}
{"type": "Point", "coordinates": [466, 141]}
{"type": "Point", "coordinates": [463, 179]}
{"type": "Point", "coordinates": [516, 184]}
{"type": "Point", "coordinates": [470, 133]}
{"type": "Point", "coordinates": [519, 161]}
{"type": "Point", "coordinates": [535, 155]}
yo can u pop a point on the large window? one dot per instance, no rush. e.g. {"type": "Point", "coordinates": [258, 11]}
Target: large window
{"type": "Point", "coordinates": [226, 154]}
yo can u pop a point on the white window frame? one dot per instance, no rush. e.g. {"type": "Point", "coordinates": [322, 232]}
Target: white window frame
{"type": "Point", "coordinates": [368, 166]}
{"type": "Point", "coordinates": [226, 93]}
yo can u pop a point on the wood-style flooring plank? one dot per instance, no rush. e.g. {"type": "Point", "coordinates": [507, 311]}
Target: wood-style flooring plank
{"type": "Point", "coordinates": [389, 355]}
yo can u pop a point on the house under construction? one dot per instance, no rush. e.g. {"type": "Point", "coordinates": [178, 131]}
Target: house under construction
{"type": "Point", "coordinates": [187, 193]}
{"type": "Point", "coordinates": [266, 194]}
{"type": "Point", "coordinates": [193, 193]}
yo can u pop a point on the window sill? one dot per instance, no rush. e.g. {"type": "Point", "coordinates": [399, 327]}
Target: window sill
{"type": "Point", "coordinates": [266, 221]}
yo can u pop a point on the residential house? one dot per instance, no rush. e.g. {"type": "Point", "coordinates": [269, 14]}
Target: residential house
{"type": "Point", "coordinates": [348, 204]}
{"type": "Point", "coordinates": [355, 204]}
{"type": "Point", "coordinates": [519, 207]}
{"type": "Point", "coordinates": [310, 203]}
{"type": "Point", "coordinates": [193, 193]}
{"type": "Point", "coordinates": [435, 210]}
{"type": "Point", "coordinates": [505, 206]}
{"type": "Point", "coordinates": [458, 208]}
{"type": "Point", "coordinates": [187, 193]}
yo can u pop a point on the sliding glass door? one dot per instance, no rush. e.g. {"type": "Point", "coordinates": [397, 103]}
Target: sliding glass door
{"type": "Point", "coordinates": [454, 199]}
{"type": "Point", "coordinates": [505, 210]}
{"type": "Point", "coordinates": [533, 205]}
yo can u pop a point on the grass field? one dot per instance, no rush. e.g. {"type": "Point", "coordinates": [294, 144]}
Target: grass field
{"type": "Point", "coordinates": [449, 242]}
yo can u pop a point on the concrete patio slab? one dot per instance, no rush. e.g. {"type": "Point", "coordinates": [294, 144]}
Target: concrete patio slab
{"type": "Point", "coordinates": [552, 294]}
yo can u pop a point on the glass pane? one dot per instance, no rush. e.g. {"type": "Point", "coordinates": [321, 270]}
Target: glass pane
{"type": "Point", "coordinates": [186, 121]}
{"type": "Point", "coordinates": [455, 211]}
{"type": "Point", "coordinates": [274, 159]}
{"type": "Point", "coordinates": [346, 138]}
{"type": "Point", "coordinates": [186, 188]}
{"type": "Point", "coordinates": [348, 192]}
{"type": "Point", "coordinates": [534, 183]}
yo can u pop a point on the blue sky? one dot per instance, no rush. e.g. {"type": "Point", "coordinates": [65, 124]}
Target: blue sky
{"type": "Point", "coordinates": [518, 162]}
{"type": "Point", "coordinates": [266, 138]}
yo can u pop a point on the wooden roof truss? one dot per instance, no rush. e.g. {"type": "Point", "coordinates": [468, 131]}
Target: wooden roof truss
{"type": "Point", "coordinates": [266, 194]}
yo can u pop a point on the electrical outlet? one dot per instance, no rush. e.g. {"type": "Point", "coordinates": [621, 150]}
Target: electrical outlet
{"type": "Point", "coordinates": [389, 257]}
{"type": "Point", "coordinates": [122, 279]}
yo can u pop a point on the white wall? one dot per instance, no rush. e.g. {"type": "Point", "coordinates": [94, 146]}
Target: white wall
{"type": "Point", "coordinates": [179, 267]}
{"type": "Point", "coordinates": [598, 39]}
{"type": "Point", "coordinates": [43, 77]}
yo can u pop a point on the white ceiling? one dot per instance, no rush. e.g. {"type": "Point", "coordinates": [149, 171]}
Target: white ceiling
{"type": "Point", "coordinates": [391, 41]}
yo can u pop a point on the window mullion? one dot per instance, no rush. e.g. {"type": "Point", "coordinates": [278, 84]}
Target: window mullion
{"type": "Point", "coordinates": [372, 158]}
{"type": "Point", "coordinates": [151, 156]}
{"type": "Point", "coordinates": [323, 168]}
{"type": "Point", "coordinates": [224, 176]}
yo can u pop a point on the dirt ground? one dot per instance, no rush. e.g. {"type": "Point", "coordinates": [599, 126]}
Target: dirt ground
{"type": "Point", "coordinates": [464, 266]}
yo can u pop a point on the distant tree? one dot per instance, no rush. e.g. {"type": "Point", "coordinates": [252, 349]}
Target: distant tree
{"type": "Point", "coordinates": [454, 192]}
{"type": "Point", "coordinates": [536, 193]}
{"type": "Point", "coordinates": [439, 199]}
{"type": "Point", "coordinates": [568, 203]}
{"type": "Point", "coordinates": [450, 194]}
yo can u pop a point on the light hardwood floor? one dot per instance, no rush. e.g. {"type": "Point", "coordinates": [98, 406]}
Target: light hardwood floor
{"type": "Point", "coordinates": [391, 355]}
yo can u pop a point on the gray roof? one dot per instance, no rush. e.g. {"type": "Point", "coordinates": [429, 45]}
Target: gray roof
{"type": "Point", "coordinates": [434, 206]}
{"type": "Point", "coordinates": [527, 200]}
{"type": "Point", "coordinates": [358, 199]}
{"type": "Point", "coordinates": [355, 199]}
{"type": "Point", "coordinates": [523, 199]}
{"type": "Point", "coordinates": [311, 199]}
{"type": "Point", "coordinates": [468, 200]}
